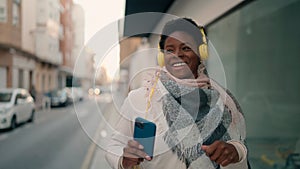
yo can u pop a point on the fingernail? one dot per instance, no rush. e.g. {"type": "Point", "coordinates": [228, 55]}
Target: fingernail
{"type": "Point", "coordinates": [141, 147]}
{"type": "Point", "coordinates": [148, 158]}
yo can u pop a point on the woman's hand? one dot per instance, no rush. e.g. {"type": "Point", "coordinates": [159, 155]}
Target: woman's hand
{"type": "Point", "coordinates": [221, 152]}
{"type": "Point", "coordinates": [133, 154]}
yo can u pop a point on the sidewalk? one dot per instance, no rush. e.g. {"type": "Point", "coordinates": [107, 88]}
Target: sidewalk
{"type": "Point", "coordinates": [98, 160]}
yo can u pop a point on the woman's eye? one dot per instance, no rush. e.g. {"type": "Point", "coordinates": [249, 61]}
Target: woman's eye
{"type": "Point", "coordinates": [169, 51]}
{"type": "Point", "coordinates": [186, 48]}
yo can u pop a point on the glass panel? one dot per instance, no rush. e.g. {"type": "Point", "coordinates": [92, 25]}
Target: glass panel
{"type": "Point", "coordinates": [259, 47]}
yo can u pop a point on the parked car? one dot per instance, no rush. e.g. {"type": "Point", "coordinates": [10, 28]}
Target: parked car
{"type": "Point", "coordinates": [78, 92]}
{"type": "Point", "coordinates": [58, 98]}
{"type": "Point", "coordinates": [74, 94]}
{"type": "Point", "coordinates": [16, 106]}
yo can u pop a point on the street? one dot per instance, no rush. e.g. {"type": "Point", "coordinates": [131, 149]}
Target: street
{"type": "Point", "coordinates": [75, 137]}
{"type": "Point", "coordinates": [57, 139]}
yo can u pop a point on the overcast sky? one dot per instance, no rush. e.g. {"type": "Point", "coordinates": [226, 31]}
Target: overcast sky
{"type": "Point", "coordinates": [98, 14]}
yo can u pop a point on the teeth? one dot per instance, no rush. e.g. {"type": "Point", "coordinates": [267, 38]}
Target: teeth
{"type": "Point", "coordinates": [179, 64]}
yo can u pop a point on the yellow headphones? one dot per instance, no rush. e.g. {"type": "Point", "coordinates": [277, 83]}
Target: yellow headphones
{"type": "Point", "coordinates": [203, 51]}
{"type": "Point", "coordinates": [203, 48]}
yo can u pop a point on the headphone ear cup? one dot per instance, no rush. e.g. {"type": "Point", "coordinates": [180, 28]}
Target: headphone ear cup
{"type": "Point", "coordinates": [203, 51]}
{"type": "Point", "coordinates": [161, 59]}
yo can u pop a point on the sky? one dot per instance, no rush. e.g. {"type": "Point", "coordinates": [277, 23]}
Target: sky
{"type": "Point", "coordinates": [98, 14]}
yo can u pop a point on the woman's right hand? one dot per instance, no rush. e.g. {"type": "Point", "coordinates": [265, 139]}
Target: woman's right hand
{"type": "Point", "coordinates": [133, 154]}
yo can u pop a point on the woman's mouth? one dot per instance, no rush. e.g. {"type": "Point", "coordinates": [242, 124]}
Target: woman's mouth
{"type": "Point", "coordinates": [179, 64]}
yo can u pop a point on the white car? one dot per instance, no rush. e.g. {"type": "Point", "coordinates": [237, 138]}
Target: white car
{"type": "Point", "coordinates": [16, 106]}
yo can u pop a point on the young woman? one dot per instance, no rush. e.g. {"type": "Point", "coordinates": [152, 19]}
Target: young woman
{"type": "Point", "coordinates": [199, 124]}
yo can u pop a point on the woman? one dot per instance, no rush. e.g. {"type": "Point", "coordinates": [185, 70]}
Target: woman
{"type": "Point", "coordinates": [199, 125]}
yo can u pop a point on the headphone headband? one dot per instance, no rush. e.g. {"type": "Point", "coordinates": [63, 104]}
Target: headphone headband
{"type": "Point", "coordinates": [203, 35]}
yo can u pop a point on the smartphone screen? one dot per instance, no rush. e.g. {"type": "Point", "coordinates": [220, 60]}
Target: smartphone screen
{"type": "Point", "coordinates": [144, 133]}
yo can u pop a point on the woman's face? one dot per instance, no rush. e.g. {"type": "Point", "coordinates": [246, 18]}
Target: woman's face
{"type": "Point", "coordinates": [180, 57]}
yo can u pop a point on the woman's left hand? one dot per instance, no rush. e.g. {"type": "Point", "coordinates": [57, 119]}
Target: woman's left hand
{"type": "Point", "coordinates": [221, 152]}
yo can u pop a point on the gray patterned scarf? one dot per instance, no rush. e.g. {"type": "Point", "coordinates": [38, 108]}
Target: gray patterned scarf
{"type": "Point", "coordinates": [196, 117]}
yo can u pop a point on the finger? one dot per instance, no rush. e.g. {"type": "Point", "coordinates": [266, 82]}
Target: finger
{"type": "Point", "coordinates": [133, 150]}
{"type": "Point", "coordinates": [133, 143]}
{"type": "Point", "coordinates": [201, 84]}
{"type": "Point", "coordinates": [210, 149]}
{"type": "Point", "coordinates": [137, 145]}
{"type": "Point", "coordinates": [225, 163]}
{"type": "Point", "coordinates": [223, 156]}
{"type": "Point", "coordinates": [128, 153]}
{"type": "Point", "coordinates": [232, 154]}
{"type": "Point", "coordinates": [229, 155]}
{"type": "Point", "coordinates": [129, 162]}
{"type": "Point", "coordinates": [219, 153]}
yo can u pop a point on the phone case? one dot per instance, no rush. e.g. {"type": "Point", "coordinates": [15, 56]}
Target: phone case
{"type": "Point", "coordinates": [144, 133]}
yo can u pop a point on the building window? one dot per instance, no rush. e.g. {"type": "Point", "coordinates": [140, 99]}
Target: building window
{"type": "Point", "coordinates": [50, 82]}
{"type": "Point", "coordinates": [21, 78]}
{"type": "Point", "coordinates": [15, 12]}
{"type": "Point", "coordinates": [3, 77]}
{"type": "Point", "coordinates": [43, 83]}
{"type": "Point", "coordinates": [3, 10]}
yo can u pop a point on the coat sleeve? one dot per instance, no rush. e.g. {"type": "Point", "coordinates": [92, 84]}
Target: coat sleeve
{"type": "Point", "coordinates": [121, 134]}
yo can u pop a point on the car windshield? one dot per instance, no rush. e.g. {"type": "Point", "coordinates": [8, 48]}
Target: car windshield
{"type": "Point", "coordinates": [5, 97]}
{"type": "Point", "coordinates": [57, 93]}
{"type": "Point", "coordinates": [54, 94]}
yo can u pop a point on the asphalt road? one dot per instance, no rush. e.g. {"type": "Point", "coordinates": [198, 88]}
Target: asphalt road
{"type": "Point", "coordinates": [58, 138]}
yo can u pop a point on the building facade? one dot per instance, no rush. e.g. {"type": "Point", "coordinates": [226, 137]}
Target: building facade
{"type": "Point", "coordinates": [46, 36]}
{"type": "Point", "coordinates": [17, 65]}
{"type": "Point", "coordinates": [29, 44]}
{"type": "Point", "coordinates": [83, 60]}
{"type": "Point", "coordinates": [66, 44]}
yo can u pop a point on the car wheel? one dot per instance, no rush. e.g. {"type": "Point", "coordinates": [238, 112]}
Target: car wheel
{"type": "Point", "coordinates": [13, 123]}
{"type": "Point", "coordinates": [31, 119]}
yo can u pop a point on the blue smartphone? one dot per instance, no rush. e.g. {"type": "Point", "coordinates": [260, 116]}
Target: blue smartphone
{"type": "Point", "coordinates": [144, 133]}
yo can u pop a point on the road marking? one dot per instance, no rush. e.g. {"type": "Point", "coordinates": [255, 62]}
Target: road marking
{"type": "Point", "coordinates": [82, 114]}
{"type": "Point", "coordinates": [90, 154]}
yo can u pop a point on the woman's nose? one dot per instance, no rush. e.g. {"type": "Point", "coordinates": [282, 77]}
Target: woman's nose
{"type": "Point", "coordinates": [178, 53]}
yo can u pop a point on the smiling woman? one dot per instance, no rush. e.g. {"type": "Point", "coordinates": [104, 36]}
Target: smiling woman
{"type": "Point", "coordinates": [199, 123]}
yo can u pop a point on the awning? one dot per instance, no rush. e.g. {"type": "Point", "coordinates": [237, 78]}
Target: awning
{"type": "Point", "coordinates": [134, 24]}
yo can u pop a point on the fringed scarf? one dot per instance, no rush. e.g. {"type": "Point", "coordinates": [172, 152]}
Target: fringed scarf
{"type": "Point", "coordinates": [199, 116]}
